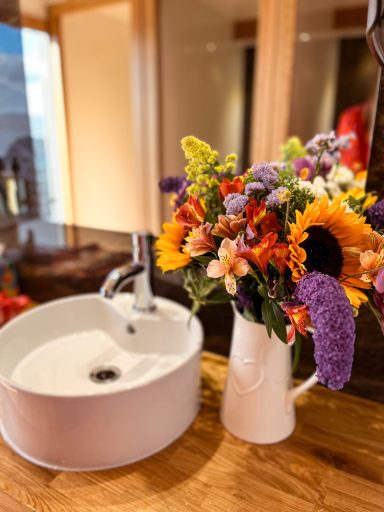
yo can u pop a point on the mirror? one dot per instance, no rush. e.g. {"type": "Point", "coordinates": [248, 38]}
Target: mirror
{"type": "Point", "coordinates": [124, 121]}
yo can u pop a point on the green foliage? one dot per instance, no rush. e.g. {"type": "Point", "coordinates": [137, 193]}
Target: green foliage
{"type": "Point", "coordinates": [356, 204]}
{"type": "Point", "coordinates": [274, 319]}
{"type": "Point", "coordinates": [292, 149]}
{"type": "Point", "coordinates": [201, 288]}
{"type": "Point", "coordinates": [299, 196]}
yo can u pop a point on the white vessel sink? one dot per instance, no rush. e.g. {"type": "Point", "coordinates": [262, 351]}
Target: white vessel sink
{"type": "Point", "coordinates": [60, 406]}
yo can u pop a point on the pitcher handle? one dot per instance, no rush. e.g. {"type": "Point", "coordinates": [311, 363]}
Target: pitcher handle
{"type": "Point", "coordinates": [295, 392]}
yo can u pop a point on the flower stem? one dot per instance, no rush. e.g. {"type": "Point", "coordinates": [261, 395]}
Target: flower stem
{"type": "Point", "coordinates": [374, 311]}
{"type": "Point", "coordinates": [372, 271]}
{"type": "Point", "coordinates": [297, 350]}
{"type": "Point", "coordinates": [286, 217]}
{"type": "Point", "coordinates": [317, 169]}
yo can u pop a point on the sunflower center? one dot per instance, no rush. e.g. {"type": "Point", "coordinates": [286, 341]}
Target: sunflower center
{"type": "Point", "coordinates": [323, 252]}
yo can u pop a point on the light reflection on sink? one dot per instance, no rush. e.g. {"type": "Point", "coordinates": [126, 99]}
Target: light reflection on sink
{"type": "Point", "coordinates": [55, 415]}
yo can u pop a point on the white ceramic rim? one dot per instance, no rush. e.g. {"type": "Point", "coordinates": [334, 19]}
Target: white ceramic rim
{"type": "Point", "coordinates": [12, 386]}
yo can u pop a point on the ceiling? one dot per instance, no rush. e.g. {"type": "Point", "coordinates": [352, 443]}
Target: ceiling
{"type": "Point", "coordinates": [230, 9]}
{"type": "Point", "coordinates": [247, 9]}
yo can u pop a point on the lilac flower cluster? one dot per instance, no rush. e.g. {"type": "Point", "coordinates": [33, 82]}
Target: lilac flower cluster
{"type": "Point", "coordinates": [254, 187]}
{"type": "Point", "coordinates": [321, 142]}
{"type": "Point", "coordinates": [332, 318]}
{"type": "Point", "coordinates": [235, 203]}
{"type": "Point", "coordinates": [375, 215]}
{"type": "Point", "coordinates": [266, 174]}
{"type": "Point", "coordinates": [274, 198]}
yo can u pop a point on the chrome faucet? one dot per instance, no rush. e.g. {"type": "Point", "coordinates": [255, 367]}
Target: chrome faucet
{"type": "Point", "coordinates": [139, 271]}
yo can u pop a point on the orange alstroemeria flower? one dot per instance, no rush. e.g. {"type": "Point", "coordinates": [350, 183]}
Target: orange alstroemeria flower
{"type": "Point", "coordinates": [231, 187]}
{"type": "Point", "coordinates": [191, 214]}
{"type": "Point", "coordinates": [261, 253]}
{"type": "Point", "coordinates": [281, 256]}
{"type": "Point", "coordinates": [200, 240]}
{"type": "Point", "coordinates": [259, 221]}
{"type": "Point", "coordinates": [298, 316]}
{"type": "Point", "coordinates": [372, 261]}
{"type": "Point", "coordinates": [229, 226]}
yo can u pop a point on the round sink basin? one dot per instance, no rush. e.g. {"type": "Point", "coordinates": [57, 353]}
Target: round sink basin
{"type": "Point", "coordinates": [87, 383]}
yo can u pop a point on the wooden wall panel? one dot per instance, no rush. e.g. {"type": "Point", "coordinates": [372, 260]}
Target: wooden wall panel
{"type": "Point", "coordinates": [274, 77]}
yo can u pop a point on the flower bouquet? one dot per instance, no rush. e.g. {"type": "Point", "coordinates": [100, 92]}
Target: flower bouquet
{"type": "Point", "coordinates": [296, 244]}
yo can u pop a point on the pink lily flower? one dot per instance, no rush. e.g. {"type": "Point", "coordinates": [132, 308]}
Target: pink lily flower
{"type": "Point", "coordinates": [228, 265]}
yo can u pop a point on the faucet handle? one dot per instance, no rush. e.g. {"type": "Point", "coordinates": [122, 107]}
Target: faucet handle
{"type": "Point", "coordinates": [142, 242]}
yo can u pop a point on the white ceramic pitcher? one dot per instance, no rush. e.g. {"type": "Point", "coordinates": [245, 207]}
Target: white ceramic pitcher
{"type": "Point", "coordinates": [258, 401]}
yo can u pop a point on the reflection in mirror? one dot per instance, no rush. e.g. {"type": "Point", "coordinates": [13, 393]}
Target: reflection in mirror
{"type": "Point", "coordinates": [17, 167]}
{"type": "Point", "coordinates": [375, 37]}
{"type": "Point", "coordinates": [207, 62]}
{"type": "Point", "coordinates": [207, 66]}
{"type": "Point", "coordinates": [335, 76]}
{"type": "Point", "coordinates": [96, 50]}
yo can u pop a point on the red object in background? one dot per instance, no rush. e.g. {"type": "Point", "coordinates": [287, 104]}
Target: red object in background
{"type": "Point", "coordinates": [355, 119]}
{"type": "Point", "coordinates": [12, 306]}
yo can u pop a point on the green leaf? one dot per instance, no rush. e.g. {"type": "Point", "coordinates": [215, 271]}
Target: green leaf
{"type": "Point", "coordinates": [263, 292]}
{"type": "Point", "coordinates": [278, 323]}
{"type": "Point", "coordinates": [204, 260]}
{"type": "Point", "coordinates": [219, 298]}
{"type": "Point", "coordinates": [267, 314]}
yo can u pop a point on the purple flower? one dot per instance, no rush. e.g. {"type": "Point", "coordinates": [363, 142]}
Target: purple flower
{"type": "Point", "coordinates": [379, 285]}
{"type": "Point", "coordinates": [254, 187]}
{"type": "Point", "coordinates": [180, 199]}
{"type": "Point", "coordinates": [375, 215]}
{"type": "Point", "coordinates": [171, 184]}
{"type": "Point", "coordinates": [243, 300]}
{"type": "Point", "coordinates": [279, 166]}
{"type": "Point", "coordinates": [235, 203]}
{"type": "Point", "coordinates": [332, 317]}
{"type": "Point", "coordinates": [249, 233]}
{"type": "Point", "coordinates": [321, 142]}
{"type": "Point", "coordinates": [344, 141]}
{"type": "Point", "coordinates": [275, 198]}
{"type": "Point", "coordinates": [304, 167]}
{"type": "Point", "coordinates": [326, 162]}
{"type": "Point", "coordinates": [265, 173]}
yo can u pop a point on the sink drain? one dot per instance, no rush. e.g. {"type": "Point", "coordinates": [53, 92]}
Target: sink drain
{"type": "Point", "coordinates": [104, 374]}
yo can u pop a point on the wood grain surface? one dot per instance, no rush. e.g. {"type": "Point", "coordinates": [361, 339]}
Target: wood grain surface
{"type": "Point", "coordinates": [334, 462]}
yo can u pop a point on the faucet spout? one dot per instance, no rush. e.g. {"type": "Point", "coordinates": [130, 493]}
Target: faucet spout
{"type": "Point", "coordinates": [138, 271]}
{"type": "Point", "coordinates": [119, 277]}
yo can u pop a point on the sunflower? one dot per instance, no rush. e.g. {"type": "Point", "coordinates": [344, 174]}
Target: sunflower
{"type": "Point", "coordinates": [328, 239]}
{"type": "Point", "coordinates": [171, 254]}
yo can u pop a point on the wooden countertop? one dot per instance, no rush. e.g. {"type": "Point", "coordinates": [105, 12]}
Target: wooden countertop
{"type": "Point", "coordinates": [334, 462]}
